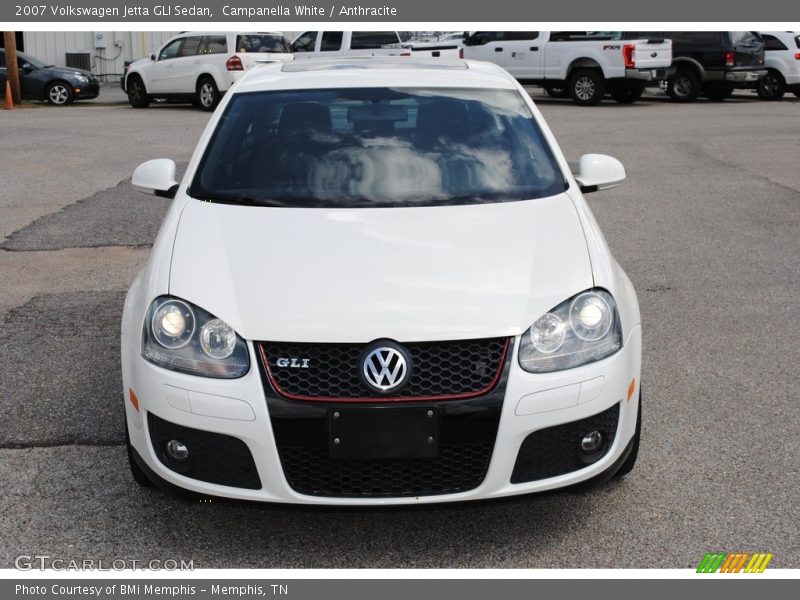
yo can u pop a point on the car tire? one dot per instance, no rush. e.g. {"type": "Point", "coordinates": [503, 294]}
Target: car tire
{"type": "Point", "coordinates": [629, 463]}
{"type": "Point", "coordinates": [556, 92]}
{"type": "Point", "coordinates": [207, 94]}
{"type": "Point", "coordinates": [718, 93]}
{"type": "Point", "coordinates": [684, 86]}
{"type": "Point", "coordinates": [587, 86]}
{"type": "Point", "coordinates": [139, 476]}
{"type": "Point", "coordinates": [59, 93]}
{"type": "Point", "coordinates": [627, 95]}
{"type": "Point", "coordinates": [772, 86]}
{"type": "Point", "coordinates": [137, 93]}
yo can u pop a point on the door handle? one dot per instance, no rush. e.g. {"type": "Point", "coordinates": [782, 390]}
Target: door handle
{"type": "Point", "coordinates": [534, 48]}
{"type": "Point", "coordinates": [500, 49]}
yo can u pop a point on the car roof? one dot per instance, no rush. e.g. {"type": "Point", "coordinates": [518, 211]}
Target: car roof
{"type": "Point", "coordinates": [374, 72]}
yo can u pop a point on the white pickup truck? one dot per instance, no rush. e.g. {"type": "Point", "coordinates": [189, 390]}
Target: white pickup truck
{"type": "Point", "coordinates": [338, 44]}
{"type": "Point", "coordinates": [579, 64]}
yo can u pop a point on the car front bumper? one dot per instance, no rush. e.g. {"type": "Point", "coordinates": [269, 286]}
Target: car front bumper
{"type": "Point", "coordinates": [239, 408]}
{"type": "Point", "coordinates": [87, 91]}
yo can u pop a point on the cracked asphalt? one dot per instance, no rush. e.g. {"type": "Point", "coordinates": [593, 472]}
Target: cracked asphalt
{"type": "Point", "coordinates": [707, 226]}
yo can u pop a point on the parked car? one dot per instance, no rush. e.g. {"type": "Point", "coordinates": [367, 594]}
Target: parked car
{"type": "Point", "coordinates": [200, 67]}
{"type": "Point", "coordinates": [386, 288]}
{"type": "Point", "coordinates": [782, 60]}
{"type": "Point", "coordinates": [362, 44]}
{"type": "Point", "coordinates": [712, 63]}
{"type": "Point", "coordinates": [56, 85]}
{"type": "Point", "coordinates": [577, 64]}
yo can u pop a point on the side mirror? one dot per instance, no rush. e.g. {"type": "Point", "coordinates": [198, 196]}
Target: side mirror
{"type": "Point", "coordinates": [153, 57]}
{"type": "Point", "coordinates": [27, 67]}
{"type": "Point", "coordinates": [156, 177]}
{"type": "Point", "coordinates": [599, 172]}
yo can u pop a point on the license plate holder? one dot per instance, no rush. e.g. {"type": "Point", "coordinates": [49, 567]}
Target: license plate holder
{"type": "Point", "coordinates": [383, 432]}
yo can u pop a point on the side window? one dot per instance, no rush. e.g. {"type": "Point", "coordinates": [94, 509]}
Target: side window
{"type": "Point", "coordinates": [773, 43]}
{"type": "Point", "coordinates": [521, 35]}
{"type": "Point", "coordinates": [331, 41]}
{"type": "Point", "coordinates": [369, 40]}
{"type": "Point", "coordinates": [696, 38]}
{"type": "Point", "coordinates": [305, 43]}
{"type": "Point", "coordinates": [480, 38]}
{"type": "Point", "coordinates": [190, 47]}
{"type": "Point", "coordinates": [217, 44]}
{"type": "Point", "coordinates": [2, 59]}
{"type": "Point", "coordinates": [170, 50]}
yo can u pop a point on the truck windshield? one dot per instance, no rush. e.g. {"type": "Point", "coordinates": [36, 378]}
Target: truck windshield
{"type": "Point", "coordinates": [372, 147]}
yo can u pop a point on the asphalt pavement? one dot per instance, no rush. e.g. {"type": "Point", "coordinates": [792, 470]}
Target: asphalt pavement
{"type": "Point", "coordinates": [707, 226]}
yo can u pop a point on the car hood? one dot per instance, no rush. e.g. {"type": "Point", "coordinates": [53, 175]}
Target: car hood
{"type": "Point", "coordinates": [66, 71]}
{"type": "Point", "coordinates": [409, 274]}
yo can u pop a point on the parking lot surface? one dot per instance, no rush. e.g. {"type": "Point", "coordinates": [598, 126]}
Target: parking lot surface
{"type": "Point", "coordinates": [707, 226]}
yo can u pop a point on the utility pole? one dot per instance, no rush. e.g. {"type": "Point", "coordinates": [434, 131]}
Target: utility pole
{"type": "Point", "coordinates": [12, 69]}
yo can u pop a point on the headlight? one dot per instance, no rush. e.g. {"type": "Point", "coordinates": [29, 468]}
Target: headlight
{"type": "Point", "coordinates": [581, 330]}
{"type": "Point", "coordinates": [183, 337]}
{"type": "Point", "coordinates": [82, 78]}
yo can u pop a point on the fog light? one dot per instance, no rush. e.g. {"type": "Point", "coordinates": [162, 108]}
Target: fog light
{"type": "Point", "coordinates": [592, 442]}
{"type": "Point", "coordinates": [177, 450]}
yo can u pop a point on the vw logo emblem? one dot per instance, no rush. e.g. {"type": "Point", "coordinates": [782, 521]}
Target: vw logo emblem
{"type": "Point", "coordinates": [385, 367]}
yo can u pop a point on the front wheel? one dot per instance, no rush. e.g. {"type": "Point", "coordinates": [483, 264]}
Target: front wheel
{"type": "Point", "coordinates": [59, 93]}
{"type": "Point", "coordinates": [207, 94]}
{"type": "Point", "coordinates": [137, 94]}
{"type": "Point", "coordinates": [586, 87]}
{"type": "Point", "coordinates": [627, 95]}
{"type": "Point", "coordinates": [684, 86]}
{"type": "Point", "coordinates": [772, 86]}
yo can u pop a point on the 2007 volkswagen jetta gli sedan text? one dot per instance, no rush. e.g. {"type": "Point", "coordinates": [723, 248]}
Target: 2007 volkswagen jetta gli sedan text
{"type": "Point", "coordinates": [379, 283]}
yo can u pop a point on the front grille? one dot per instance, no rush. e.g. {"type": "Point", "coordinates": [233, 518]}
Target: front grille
{"type": "Point", "coordinates": [458, 468]}
{"type": "Point", "coordinates": [556, 451]}
{"type": "Point", "coordinates": [213, 457]}
{"type": "Point", "coordinates": [454, 369]}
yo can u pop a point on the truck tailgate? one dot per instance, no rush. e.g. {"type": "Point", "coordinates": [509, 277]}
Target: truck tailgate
{"type": "Point", "coordinates": [652, 54]}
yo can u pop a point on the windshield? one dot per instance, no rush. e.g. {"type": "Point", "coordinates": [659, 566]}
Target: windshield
{"type": "Point", "coordinates": [260, 42]}
{"type": "Point", "coordinates": [373, 147]}
{"type": "Point", "coordinates": [23, 58]}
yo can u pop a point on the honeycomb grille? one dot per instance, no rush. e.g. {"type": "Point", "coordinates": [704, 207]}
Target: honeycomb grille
{"type": "Point", "coordinates": [456, 369]}
{"type": "Point", "coordinates": [555, 450]}
{"type": "Point", "coordinates": [458, 468]}
{"type": "Point", "coordinates": [213, 457]}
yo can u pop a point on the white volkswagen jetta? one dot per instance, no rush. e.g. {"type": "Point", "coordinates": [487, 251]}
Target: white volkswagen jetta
{"type": "Point", "coordinates": [379, 283]}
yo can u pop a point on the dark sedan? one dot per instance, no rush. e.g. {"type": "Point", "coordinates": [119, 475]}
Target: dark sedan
{"type": "Point", "coordinates": [57, 85]}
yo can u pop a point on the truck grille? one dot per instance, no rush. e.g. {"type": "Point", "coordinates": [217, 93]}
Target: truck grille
{"type": "Point", "coordinates": [441, 370]}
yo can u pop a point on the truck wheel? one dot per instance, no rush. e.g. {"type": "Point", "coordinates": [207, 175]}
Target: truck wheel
{"type": "Point", "coordinates": [718, 93]}
{"type": "Point", "coordinates": [772, 86]}
{"type": "Point", "coordinates": [137, 94]}
{"type": "Point", "coordinates": [627, 95]}
{"type": "Point", "coordinates": [684, 86]}
{"type": "Point", "coordinates": [207, 94]}
{"type": "Point", "coordinates": [586, 87]}
{"type": "Point", "coordinates": [556, 92]}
